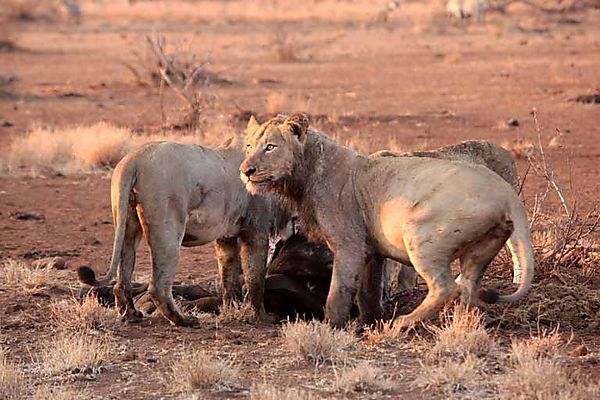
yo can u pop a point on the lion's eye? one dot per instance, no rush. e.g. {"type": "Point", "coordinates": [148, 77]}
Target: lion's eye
{"type": "Point", "coordinates": [248, 146]}
{"type": "Point", "coordinates": [270, 147]}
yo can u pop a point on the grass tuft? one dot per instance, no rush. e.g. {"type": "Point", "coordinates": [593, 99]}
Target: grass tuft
{"type": "Point", "coordinates": [12, 379]}
{"type": "Point", "coordinates": [363, 378]}
{"type": "Point", "coordinates": [31, 279]}
{"type": "Point", "coordinates": [200, 370]}
{"type": "Point", "coordinates": [461, 333]}
{"type": "Point", "coordinates": [76, 353]}
{"type": "Point", "coordinates": [268, 392]}
{"type": "Point", "coordinates": [317, 342]}
{"type": "Point", "coordinates": [70, 315]}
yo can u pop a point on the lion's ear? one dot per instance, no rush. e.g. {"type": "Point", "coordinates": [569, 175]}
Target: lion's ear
{"type": "Point", "coordinates": [252, 124]}
{"type": "Point", "coordinates": [298, 123]}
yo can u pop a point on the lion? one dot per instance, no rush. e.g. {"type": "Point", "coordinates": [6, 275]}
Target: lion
{"type": "Point", "coordinates": [481, 152]}
{"type": "Point", "coordinates": [421, 211]}
{"type": "Point", "coordinates": [187, 195]}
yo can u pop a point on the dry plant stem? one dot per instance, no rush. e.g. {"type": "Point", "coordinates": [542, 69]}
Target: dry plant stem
{"type": "Point", "coordinates": [546, 170]}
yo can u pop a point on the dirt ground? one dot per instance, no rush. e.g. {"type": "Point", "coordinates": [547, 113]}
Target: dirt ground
{"type": "Point", "coordinates": [417, 81]}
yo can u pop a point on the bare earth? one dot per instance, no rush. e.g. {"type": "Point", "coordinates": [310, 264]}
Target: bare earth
{"type": "Point", "coordinates": [417, 82]}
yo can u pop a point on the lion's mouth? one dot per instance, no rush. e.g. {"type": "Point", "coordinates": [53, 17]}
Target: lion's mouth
{"type": "Point", "coordinates": [261, 185]}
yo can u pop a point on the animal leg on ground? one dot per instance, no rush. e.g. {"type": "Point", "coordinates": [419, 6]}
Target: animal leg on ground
{"type": "Point", "coordinates": [369, 294]}
{"type": "Point", "coordinates": [165, 247]}
{"type": "Point", "coordinates": [474, 261]}
{"type": "Point", "coordinates": [346, 269]}
{"type": "Point", "coordinates": [253, 253]}
{"type": "Point", "coordinates": [436, 272]}
{"type": "Point", "coordinates": [230, 269]}
{"type": "Point", "coordinates": [123, 288]}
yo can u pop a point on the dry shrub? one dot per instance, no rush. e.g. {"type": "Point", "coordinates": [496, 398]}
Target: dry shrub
{"type": "Point", "coordinates": [268, 392]}
{"type": "Point", "coordinates": [68, 150]}
{"type": "Point", "coordinates": [30, 279]}
{"type": "Point", "coordinates": [285, 47]}
{"type": "Point", "coordinates": [12, 379]}
{"type": "Point", "coordinates": [85, 149]}
{"type": "Point", "coordinates": [47, 392]}
{"type": "Point", "coordinates": [363, 378]}
{"type": "Point", "coordinates": [317, 342]}
{"type": "Point", "coordinates": [198, 369]}
{"type": "Point", "coordinates": [453, 377]}
{"type": "Point", "coordinates": [76, 352]}
{"type": "Point", "coordinates": [236, 311]}
{"type": "Point", "coordinates": [71, 315]}
{"type": "Point", "coordinates": [536, 372]}
{"type": "Point", "coordinates": [461, 333]}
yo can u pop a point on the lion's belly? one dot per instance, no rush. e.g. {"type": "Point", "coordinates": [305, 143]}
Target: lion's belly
{"type": "Point", "coordinates": [205, 226]}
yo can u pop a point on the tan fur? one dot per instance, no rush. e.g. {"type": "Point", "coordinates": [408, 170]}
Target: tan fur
{"type": "Point", "coordinates": [187, 195]}
{"type": "Point", "coordinates": [398, 277]}
{"type": "Point", "coordinates": [417, 210]}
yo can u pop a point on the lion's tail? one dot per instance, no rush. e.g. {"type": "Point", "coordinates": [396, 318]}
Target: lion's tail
{"type": "Point", "coordinates": [521, 250]}
{"type": "Point", "coordinates": [122, 182]}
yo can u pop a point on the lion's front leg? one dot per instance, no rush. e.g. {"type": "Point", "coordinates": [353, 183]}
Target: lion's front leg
{"type": "Point", "coordinates": [346, 268]}
{"type": "Point", "coordinates": [253, 254]}
{"type": "Point", "coordinates": [371, 289]}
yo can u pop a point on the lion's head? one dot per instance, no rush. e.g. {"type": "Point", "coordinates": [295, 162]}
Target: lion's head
{"type": "Point", "coordinates": [272, 151]}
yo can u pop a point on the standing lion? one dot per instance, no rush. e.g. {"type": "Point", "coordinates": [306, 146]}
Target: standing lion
{"type": "Point", "coordinates": [187, 195]}
{"type": "Point", "coordinates": [420, 211]}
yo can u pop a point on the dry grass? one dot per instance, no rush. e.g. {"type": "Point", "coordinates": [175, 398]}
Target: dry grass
{"type": "Point", "coordinates": [59, 393]}
{"type": "Point", "coordinates": [75, 353]}
{"type": "Point", "coordinates": [201, 370]}
{"type": "Point", "coordinates": [453, 377]}
{"type": "Point", "coordinates": [85, 149]}
{"type": "Point", "coordinates": [461, 333]}
{"type": "Point", "coordinates": [285, 47]}
{"type": "Point", "coordinates": [12, 379]}
{"type": "Point", "coordinates": [70, 315]}
{"type": "Point", "coordinates": [268, 392]}
{"type": "Point", "coordinates": [537, 372]}
{"type": "Point", "coordinates": [363, 378]}
{"type": "Point", "coordinates": [236, 312]}
{"type": "Point", "coordinates": [317, 342]}
{"type": "Point", "coordinates": [30, 279]}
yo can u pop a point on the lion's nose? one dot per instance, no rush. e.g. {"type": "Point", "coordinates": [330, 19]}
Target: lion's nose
{"type": "Point", "coordinates": [249, 171]}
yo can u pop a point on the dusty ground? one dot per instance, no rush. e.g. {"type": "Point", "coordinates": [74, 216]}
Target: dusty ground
{"type": "Point", "coordinates": [418, 81]}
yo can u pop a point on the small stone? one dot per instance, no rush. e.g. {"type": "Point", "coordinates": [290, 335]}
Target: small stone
{"type": "Point", "coordinates": [92, 241]}
{"type": "Point", "coordinates": [28, 216]}
{"type": "Point", "coordinates": [513, 123]}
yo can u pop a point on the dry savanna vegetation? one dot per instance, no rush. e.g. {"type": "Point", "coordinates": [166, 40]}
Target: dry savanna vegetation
{"type": "Point", "coordinates": [84, 82]}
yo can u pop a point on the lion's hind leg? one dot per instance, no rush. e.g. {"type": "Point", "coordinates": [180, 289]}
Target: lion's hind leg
{"type": "Point", "coordinates": [442, 288]}
{"type": "Point", "coordinates": [476, 258]}
{"type": "Point", "coordinates": [165, 246]}
{"type": "Point", "coordinates": [123, 289]}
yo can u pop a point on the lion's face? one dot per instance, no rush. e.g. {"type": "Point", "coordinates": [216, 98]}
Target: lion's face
{"type": "Point", "coordinates": [272, 150]}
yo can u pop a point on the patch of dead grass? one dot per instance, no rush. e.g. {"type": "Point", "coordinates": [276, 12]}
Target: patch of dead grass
{"type": "Point", "coordinates": [317, 342]}
{"type": "Point", "coordinates": [88, 149]}
{"type": "Point", "coordinates": [236, 311]}
{"type": "Point", "coordinates": [536, 372]}
{"type": "Point", "coordinates": [200, 370]}
{"type": "Point", "coordinates": [453, 377]}
{"type": "Point", "coordinates": [363, 378]}
{"type": "Point", "coordinates": [31, 279]}
{"type": "Point", "coordinates": [70, 315]}
{"type": "Point", "coordinates": [12, 379]}
{"type": "Point", "coordinates": [266, 391]}
{"type": "Point", "coordinates": [47, 392]}
{"type": "Point", "coordinates": [78, 353]}
{"type": "Point", "coordinates": [461, 333]}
